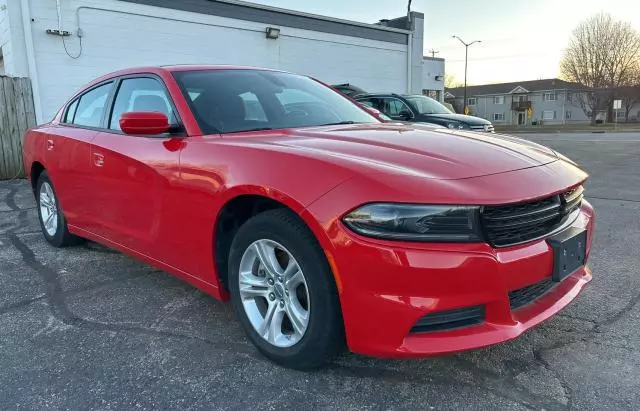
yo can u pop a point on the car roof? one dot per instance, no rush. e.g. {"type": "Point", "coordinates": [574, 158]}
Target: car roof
{"type": "Point", "coordinates": [172, 68]}
{"type": "Point", "coordinates": [406, 96]}
{"type": "Point", "coordinates": [380, 95]}
{"type": "Point", "coordinates": [198, 67]}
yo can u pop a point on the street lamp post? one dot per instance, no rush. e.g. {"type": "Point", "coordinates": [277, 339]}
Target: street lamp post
{"type": "Point", "coordinates": [466, 55]}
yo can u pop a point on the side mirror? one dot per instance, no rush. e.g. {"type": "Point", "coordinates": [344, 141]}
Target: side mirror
{"type": "Point", "coordinates": [145, 123]}
{"type": "Point", "coordinates": [406, 115]}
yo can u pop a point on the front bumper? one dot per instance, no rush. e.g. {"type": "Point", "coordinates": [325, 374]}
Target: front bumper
{"type": "Point", "coordinates": [386, 287]}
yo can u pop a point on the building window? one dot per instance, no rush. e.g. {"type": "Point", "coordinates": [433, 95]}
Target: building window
{"type": "Point", "coordinates": [434, 94]}
{"type": "Point", "coordinates": [548, 115]}
{"type": "Point", "coordinates": [472, 101]}
{"type": "Point", "coordinates": [498, 99]}
{"type": "Point", "coordinates": [569, 96]}
{"type": "Point", "coordinates": [619, 113]}
{"type": "Point", "coordinates": [549, 97]}
{"type": "Point", "coordinates": [567, 115]}
{"type": "Point", "coordinates": [498, 116]}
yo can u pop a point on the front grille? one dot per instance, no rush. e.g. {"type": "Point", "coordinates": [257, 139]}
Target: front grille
{"type": "Point", "coordinates": [518, 223]}
{"type": "Point", "coordinates": [488, 129]}
{"type": "Point", "coordinates": [527, 295]}
{"type": "Point", "coordinates": [451, 319]}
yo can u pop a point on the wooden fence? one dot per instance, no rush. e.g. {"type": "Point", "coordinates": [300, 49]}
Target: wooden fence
{"type": "Point", "coordinates": [16, 115]}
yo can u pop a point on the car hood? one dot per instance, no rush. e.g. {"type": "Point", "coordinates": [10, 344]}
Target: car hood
{"type": "Point", "coordinates": [471, 120]}
{"type": "Point", "coordinates": [407, 149]}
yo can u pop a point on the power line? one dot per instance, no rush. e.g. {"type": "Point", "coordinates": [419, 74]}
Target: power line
{"type": "Point", "coordinates": [506, 56]}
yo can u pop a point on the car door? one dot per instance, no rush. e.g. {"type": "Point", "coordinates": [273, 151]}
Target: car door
{"type": "Point", "coordinates": [68, 152]}
{"type": "Point", "coordinates": [133, 174]}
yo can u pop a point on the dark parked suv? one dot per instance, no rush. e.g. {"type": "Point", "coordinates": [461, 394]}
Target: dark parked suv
{"type": "Point", "coordinates": [422, 109]}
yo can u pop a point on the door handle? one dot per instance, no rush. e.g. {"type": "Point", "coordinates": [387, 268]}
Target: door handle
{"type": "Point", "coordinates": [49, 145]}
{"type": "Point", "coordinates": [98, 159]}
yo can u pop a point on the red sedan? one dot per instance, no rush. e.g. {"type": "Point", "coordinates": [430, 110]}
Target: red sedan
{"type": "Point", "coordinates": [321, 224]}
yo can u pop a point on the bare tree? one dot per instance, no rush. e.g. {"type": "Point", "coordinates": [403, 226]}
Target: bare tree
{"type": "Point", "coordinates": [630, 93]}
{"type": "Point", "coordinates": [450, 81]}
{"type": "Point", "coordinates": [602, 56]}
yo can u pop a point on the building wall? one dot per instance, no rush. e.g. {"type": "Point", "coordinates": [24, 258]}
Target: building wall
{"type": "Point", "coordinates": [120, 34]}
{"type": "Point", "coordinates": [433, 68]}
{"type": "Point", "coordinates": [5, 35]}
{"type": "Point", "coordinates": [12, 39]}
{"type": "Point", "coordinates": [417, 42]}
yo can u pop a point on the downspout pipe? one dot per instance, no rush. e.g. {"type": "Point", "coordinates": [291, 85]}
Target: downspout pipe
{"type": "Point", "coordinates": [59, 9]}
{"type": "Point", "coordinates": [31, 58]}
{"type": "Point", "coordinates": [409, 52]}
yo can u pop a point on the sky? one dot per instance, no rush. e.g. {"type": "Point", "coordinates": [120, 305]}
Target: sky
{"type": "Point", "coordinates": [521, 40]}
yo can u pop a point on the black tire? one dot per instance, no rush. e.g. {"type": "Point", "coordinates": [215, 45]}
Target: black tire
{"type": "Point", "coordinates": [62, 237]}
{"type": "Point", "coordinates": [324, 336]}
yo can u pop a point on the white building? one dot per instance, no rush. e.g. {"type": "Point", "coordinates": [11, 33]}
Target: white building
{"type": "Point", "coordinates": [101, 36]}
{"type": "Point", "coordinates": [433, 77]}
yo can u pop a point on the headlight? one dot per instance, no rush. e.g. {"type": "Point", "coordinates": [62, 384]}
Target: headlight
{"type": "Point", "coordinates": [413, 222]}
{"type": "Point", "coordinates": [455, 125]}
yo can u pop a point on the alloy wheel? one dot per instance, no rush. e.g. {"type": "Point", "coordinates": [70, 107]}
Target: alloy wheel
{"type": "Point", "coordinates": [48, 209]}
{"type": "Point", "coordinates": [274, 293]}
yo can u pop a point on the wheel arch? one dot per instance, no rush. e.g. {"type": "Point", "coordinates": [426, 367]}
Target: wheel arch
{"type": "Point", "coordinates": [241, 203]}
{"type": "Point", "coordinates": [36, 169]}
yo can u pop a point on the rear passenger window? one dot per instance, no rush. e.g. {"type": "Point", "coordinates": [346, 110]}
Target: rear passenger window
{"type": "Point", "coordinates": [372, 102]}
{"type": "Point", "coordinates": [140, 94]}
{"type": "Point", "coordinates": [91, 106]}
{"type": "Point", "coordinates": [71, 112]}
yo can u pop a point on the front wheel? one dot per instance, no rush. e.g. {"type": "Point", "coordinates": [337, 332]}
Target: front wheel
{"type": "Point", "coordinates": [283, 291]}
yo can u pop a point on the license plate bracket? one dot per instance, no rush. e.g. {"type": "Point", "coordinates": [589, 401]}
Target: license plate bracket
{"type": "Point", "coordinates": [569, 252]}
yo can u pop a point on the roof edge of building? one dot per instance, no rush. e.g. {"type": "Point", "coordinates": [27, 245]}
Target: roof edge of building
{"type": "Point", "coordinates": [243, 10]}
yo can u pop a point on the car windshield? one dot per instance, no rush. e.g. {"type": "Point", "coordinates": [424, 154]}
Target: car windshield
{"type": "Point", "coordinates": [427, 105]}
{"type": "Point", "coordinates": [231, 101]}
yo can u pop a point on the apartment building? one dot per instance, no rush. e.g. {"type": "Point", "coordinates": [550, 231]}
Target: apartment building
{"type": "Point", "coordinates": [547, 101]}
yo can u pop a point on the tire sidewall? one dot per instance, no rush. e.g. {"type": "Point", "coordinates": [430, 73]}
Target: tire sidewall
{"type": "Point", "coordinates": [58, 238]}
{"type": "Point", "coordinates": [317, 275]}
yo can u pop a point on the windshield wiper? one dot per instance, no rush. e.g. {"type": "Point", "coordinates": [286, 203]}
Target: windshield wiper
{"type": "Point", "coordinates": [340, 123]}
{"type": "Point", "coordinates": [249, 129]}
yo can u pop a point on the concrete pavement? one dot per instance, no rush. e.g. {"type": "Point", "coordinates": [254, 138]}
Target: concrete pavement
{"type": "Point", "coordinates": [89, 328]}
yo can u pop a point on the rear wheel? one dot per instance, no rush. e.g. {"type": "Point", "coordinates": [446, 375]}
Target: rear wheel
{"type": "Point", "coordinates": [283, 291]}
{"type": "Point", "coordinates": [52, 221]}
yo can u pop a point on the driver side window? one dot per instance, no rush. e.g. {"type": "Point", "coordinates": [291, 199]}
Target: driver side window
{"type": "Point", "coordinates": [140, 94]}
{"type": "Point", "coordinates": [393, 107]}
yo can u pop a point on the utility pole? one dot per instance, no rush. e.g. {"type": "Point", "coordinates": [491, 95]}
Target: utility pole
{"type": "Point", "coordinates": [466, 57]}
{"type": "Point", "coordinates": [433, 52]}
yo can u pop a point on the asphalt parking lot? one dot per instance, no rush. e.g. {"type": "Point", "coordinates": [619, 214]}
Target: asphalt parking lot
{"type": "Point", "coordinates": [86, 327]}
